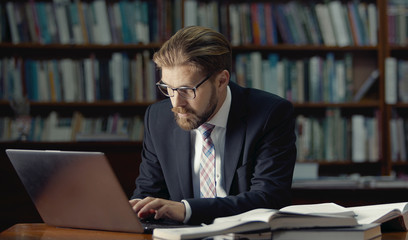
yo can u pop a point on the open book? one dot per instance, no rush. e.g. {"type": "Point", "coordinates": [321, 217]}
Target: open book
{"type": "Point", "coordinates": [291, 217]}
{"type": "Point", "coordinates": [360, 232]}
{"type": "Point", "coordinates": [392, 216]}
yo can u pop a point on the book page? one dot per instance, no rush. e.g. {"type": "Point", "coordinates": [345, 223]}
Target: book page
{"type": "Point", "coordinates": [208, 230]}
{"type": "Point", "coordinates": [379, 213]}
{"type": "Point", "coordinates": [319, 209]}
{"type": "Point", "coordinates": [259, 214]}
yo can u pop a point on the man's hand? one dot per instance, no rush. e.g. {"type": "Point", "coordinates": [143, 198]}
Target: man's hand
{"type": "Point", "coordinates": [160, 208]}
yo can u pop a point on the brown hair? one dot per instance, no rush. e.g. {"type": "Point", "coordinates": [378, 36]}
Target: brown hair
{"type": "Point", "coordinates": [197, 46]}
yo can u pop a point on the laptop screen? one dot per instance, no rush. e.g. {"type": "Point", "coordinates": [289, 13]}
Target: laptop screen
{"type": "Point", "coordinates": [75, 189]}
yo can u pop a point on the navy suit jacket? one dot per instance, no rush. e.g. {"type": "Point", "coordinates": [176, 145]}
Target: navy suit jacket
{"type": "Point", "coordinates": [259, 155]}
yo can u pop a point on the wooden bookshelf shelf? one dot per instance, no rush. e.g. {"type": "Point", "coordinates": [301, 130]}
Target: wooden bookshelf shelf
{"type": "Point", "coordinates": [65, 47]}
{"type": "Point", "coordinates": [141, 46]}
{"type": "Point", "coordinates": [348, 163]}
{"type": "Point", "coordinates": [83, 104]}
{"type": "Point", "coordinates": [99, 108]}
{"type": "Point", "coordinates": [305, 48]}
{"type": "Point", "coordinates": [399, 105]}
{"type": "Point", "coordinates": [400, 163]}
{"type": "Point", "coordinates": [367, 104]}
{"type": "Point", "coordinates": [83, 146]}
{"type": "Point", "coordinates": [396, 48]}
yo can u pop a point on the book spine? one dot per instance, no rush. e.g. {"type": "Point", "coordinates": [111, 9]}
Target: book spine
{"type": "Point", "coordinates": [12, 22]}
{"type": "Point", "coordinates": [102, 34]}
{"type": "Point", "coordinates": [339, 23]}
{"type": "Point", "coordinates": [390, 80]}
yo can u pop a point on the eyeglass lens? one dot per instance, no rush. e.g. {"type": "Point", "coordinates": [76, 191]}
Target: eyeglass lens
{"type": "Point", "coordinates": [184, 92]}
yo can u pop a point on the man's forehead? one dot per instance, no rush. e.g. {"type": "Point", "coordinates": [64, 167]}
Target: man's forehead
{"type": "Point", "coordinates": [180, 75]}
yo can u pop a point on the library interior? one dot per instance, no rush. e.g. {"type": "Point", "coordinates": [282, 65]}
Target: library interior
{"type": "Point", "coordinates": [78, 75]}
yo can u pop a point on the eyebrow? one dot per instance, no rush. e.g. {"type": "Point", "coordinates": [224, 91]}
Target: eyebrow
{"type": "Point", "coordinates": [173, 86]}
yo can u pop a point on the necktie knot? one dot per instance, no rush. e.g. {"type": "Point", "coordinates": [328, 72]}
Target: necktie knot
{"type": "Point", "coordinates": [206, 129]}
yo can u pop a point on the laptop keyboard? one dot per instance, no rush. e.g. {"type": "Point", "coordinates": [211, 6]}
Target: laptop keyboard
{"type": "Point", "coordinates": [149, 224]}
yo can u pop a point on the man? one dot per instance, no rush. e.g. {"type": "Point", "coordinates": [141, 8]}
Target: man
{"type": "Point", "coordinates": [251, 148]}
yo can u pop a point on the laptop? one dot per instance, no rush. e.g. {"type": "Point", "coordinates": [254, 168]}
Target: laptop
{"type": "Point", "coordinates": [77, 190]}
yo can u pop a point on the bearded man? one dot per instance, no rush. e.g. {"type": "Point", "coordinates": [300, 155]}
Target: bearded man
{"type": "Point", "coordinates": [212, 148]}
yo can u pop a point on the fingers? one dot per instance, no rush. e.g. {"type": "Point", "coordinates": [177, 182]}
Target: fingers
{"type": "Point", "coordinates": [149, 206]}
{"type": "Point", "coordinates": [140, 203]}
{"type": "Point", "coordinates": [160, 208]}
{"type": "Point", "coordinates": [133, 202]}
{"type": "Point", "coordinates": [136, 206]}
{"type": "Point", "coordinates": [171, 210]}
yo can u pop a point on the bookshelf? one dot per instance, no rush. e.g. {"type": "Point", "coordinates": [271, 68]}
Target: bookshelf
{"type": "Point", "coordinates": [290, 47]}
{"type": "Point", "coordinates": [293, 47]}
{"type": "Point", "coordinates": [395, 52]}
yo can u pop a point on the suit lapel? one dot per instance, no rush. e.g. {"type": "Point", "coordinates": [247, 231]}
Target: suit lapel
{"type": "Point", "coordinates": [235, 135]}
{"type": "Point", "coordinates": [182, 158]}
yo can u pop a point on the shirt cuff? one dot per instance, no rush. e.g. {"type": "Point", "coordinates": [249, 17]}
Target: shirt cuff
{"type": "Point", "coordinates": [188, 211]}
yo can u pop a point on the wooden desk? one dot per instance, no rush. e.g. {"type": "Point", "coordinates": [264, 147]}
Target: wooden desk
{"type": "Point", "coordinates": [37, 231]}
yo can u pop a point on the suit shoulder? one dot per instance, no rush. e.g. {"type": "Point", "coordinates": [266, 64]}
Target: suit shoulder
{"type": "Point", "coordinates": [160, 106]}
{"type": "Point", "coordinates": [258, 97]}
{"type": "Point", "coordinates": [159, 110]}
{"type": "Point", "coordinates": [267, 99]}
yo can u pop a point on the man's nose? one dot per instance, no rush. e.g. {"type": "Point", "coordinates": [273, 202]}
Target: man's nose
{"type": "Point", "coordinates": [178, 100]}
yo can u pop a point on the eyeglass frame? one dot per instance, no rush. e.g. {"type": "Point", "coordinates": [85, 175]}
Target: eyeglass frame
{"type": "Point", "coordinates": [159, 85]}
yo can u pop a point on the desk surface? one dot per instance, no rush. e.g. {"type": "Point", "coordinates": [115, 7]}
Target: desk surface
{"type": "Point", "coordinates": [39, 231]}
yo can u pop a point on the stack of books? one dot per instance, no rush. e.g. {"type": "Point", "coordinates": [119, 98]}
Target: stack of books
{"type": "Point", "coordinates": [309, 221]}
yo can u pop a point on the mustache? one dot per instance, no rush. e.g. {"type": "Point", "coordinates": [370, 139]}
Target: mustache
{"type": "Point", "coordinates": [179, 110]}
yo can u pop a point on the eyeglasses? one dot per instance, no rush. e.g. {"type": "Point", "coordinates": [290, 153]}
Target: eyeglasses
{"type": "Point", "coordinates": [185, 92]}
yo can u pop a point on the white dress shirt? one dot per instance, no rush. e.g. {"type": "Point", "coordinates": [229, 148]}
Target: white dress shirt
{"type": "Point", "coordinates": [218, 137]}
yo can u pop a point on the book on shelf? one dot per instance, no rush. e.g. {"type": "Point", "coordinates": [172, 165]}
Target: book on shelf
{"type": "Point", "coordinates": [339, 23]}
{"type": "Point", "coordinates": [365, 138]}
{"type": "Point", "coordinates": [106, 22]}
{"type": "Point", "coordinates": [366, 85]}
{"type": "Point", "coordinates": [402, 71]}
{"type": "Point", "coordinates": [397, 22]}
{"type": "Point", "coordinates": [101, 137]}
{"type": "Point", "coordinates": [361, 232]}
{"type": "Point", "coordinates": [373, 24]}
{"type": "Point", "coordinates": [101, 30]}
{"type": "Point", "coordinates": [190, 13]}
{"type": "Point", "coordinates": [337, 138]}
{"type": "Point", "coordinates": [75, 128]}
{"type": "Point", "coordinates": [325, 24]}
{"type": "Point", "coordinates": [261, 219]}
{"type": "Point", "coordinates": [401, 140]}
{"type": "Point", "coordinates": [80, 80]}
{"type": "Point", "coordinates": [398, 138]}
{"type": "Point", "coordinates": [15, 37]}
{"type": "Point", "coordinates": [391, 80]}
{"type": "Point", "coordinates": [298, 80]}
{"type": "Point", "coordinates": [81, 22]}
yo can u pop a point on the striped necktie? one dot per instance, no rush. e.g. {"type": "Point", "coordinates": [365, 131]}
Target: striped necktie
{"type": "Point", "coordinates": [207, 163]}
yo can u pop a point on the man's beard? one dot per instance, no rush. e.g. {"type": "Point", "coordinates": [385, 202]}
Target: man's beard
{"type": "Point", "coordinates": [195, 120]}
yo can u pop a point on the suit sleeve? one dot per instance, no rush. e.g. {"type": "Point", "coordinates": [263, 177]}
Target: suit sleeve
{"type": "Point", "coordinates": [150, 181]}
{"type": "Point", "coordinates": [264, 176]}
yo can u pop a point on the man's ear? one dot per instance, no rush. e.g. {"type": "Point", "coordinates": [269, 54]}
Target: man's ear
{"type": "Point", "coordinates": [223, 78]}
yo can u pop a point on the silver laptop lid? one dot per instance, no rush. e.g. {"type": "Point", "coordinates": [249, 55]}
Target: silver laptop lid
{"type": "Point", "coordinates": [75, 189]}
